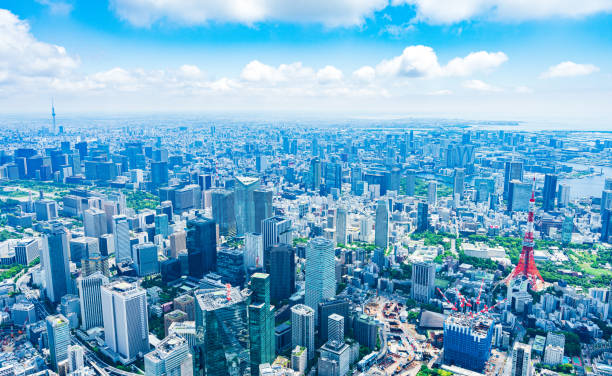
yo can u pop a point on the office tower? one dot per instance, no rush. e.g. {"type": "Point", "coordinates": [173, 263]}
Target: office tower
{"type": "Point", "coordinates": [171, 357]}
{"type": "Point", "coordinates": [94, 222]}
{"type": "Point", "coordinates": [146, 259]}
{"type": "Point", "coordinates": [90, 300]}
{"type": "Point", "coordinates": [172, 317]}
{"type": "Point", "coordinates": [458, 181]}
{"type": "Point", "coordinates": [121, 234]}
{"type": "Point", "coordinates": [201, 246]}
{"type": "Point", "coordinates": [329, 307]}
{"type": "Point", "coordinates": [282, 272]}
{"type": "Point", "coordinates": [221, 314]}
{"type": "Point", "coordinates": [521, 360]}
{"type": "Point", "coordinates": [26, 251]}
{"type": "Point", "coordinates": [608, 184]}
{"type": "Point", "coordinates": [126, 326]}
{"type": "Point", "coordinates": [55, 261]}
{"type": "Point", "coordinates": [223, 211]}
{"type": "Point", "coordinates": [512, 171]}
{"type": "Point", "coordinates": [567, 228]}
{"type": "Point", "coordinates": [423, 281]}
{"type": "Point", "coordinates": [299, 359]}
{"type": "Point", "coordinates": [432, 192]}
{"type": "Point", "coordinates": [315, 174]}
{"type": "Point", "coordinates": [563, 195]}
{"type": "Point", "coordinates": [553, 355]}
{"type": "Point", "coordinates": [178, 242]}
{"type": "Point", "coordinates": [185, 303]}
{"type": "Point", "coordinates": [187, 330]}
{"type": "Point", "coordinates": [244, 204]}
{"type": "Point", "coordinates": [302, 328]}
{"type": "Point", "coordinates": [276, 230]}
{"type": "Point", "coordinates": [262, 199]}
{"type": "Point", "coordinates": [341, 223]}
{"type": "Point", "coordinates": [410, 182]}
{"type": "Point", "coordinates": [365, 330]}
{"type": "Point", "coordinates": [518, 196]}
{"type": "Point", "coordinates": [606, 200]}
{"type": "Point", "coordinates": [549, 192]}
{"type": "Point", "coordinates": [253, 250]}
{"type": "Point", "coordinates": [422, 217]}
{"type": "Point", "coordinates": [335, 328]}
{"type": "Point", "coordinates": [261, 322]}
{"type": "Point", "coordinates": [161, 225]}
{"type": "Point", "coordinates": [46, 210]}
{"type": "Point", "coordinates": [159, 173]}
{"type": "Point", "coordinates": [606, 226]}
{"type": "Point", "coordinates": [485, 187]}
{"type": "Point", "coordinates": [58, 334]}
{"type": "Point", "coordinates": [320, 273]}
{"type": "Point", "coordinates": [23, 313]}
{"type": "Point", "coordinates": [381, 230]}
{"type": "Point", "coordinates": [76, 357]}
{"type": "Point", "coordinates": [467, 341]}
{"type": "Point", "coordinates": [83, 248]}
{"type": "Point", "coordinates": [230, 266]}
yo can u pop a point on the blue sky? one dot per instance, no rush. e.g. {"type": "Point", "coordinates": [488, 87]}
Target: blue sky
{"type": "Point", "coordinates": [472, 58]}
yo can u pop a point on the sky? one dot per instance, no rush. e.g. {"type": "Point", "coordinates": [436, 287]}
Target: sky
{"type": "Point", "coordinates": [548, 60]}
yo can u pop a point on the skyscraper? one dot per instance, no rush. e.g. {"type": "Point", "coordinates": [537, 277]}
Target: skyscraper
{"type": "Point", "coordinates": [58, 332]}
{"type": "Point", "coordinates": [55, 261]}
{"type": "Point", "coordinates": [422, 217]}
{"type": "Point", "coordinates": [126, 325]}
{"type": "Point", "coordinates": [282, 272]}
{"type": "Point", "coordinates": [262, 201]}
{"type": "Point", "coordinates": [94, 222]}
{"type": "Point", "coordinates": [512, 171]}
{"type": "Point", "coordinates": [121, 233]}
{"type": "Point", "coordinates": [253, 250]}
{"type": "Point", "coordinates": [432, 192]}
{"type": "Point", "coordinates": [458, 181]}
{"type": "Point", "coordinates": [171, 357]}
{"type": "Point", "coordinates": [338, 306]}
{"type": "Point", "coordinates": [302, 328]}
{"type": "Point", "coordinates": [201, 246]}
{"type": "Point", "coordinates": [467, 341]}
{"type": "Point", "coordinates": [223, 211]}
{"type": "Point", "coordinates": [146, 259]}
{"type": "Point", "coordinates": [244, 204]}
{"type": "Point", "coordinates": [335, 328]}
{"type": "Point", "coordinates": [549, 192]}
{"type": "Point", "coordinates": [521, 360]}
{"type": "Point", "coordinates": [341, 224]}
{"type": "Point", "coordinates": [90, 299]}
{"type": "Point", "coordinates": [222, 316]}
{"type": "Point", "coordinates": [276, 230]}
{"type": "Point", "coordinates": [423, 281]}
{"type": "Point", "coordinates": [320, 273]}
{"type": "Point", "coordinates": [381, 230]}
{"type": "Point", "coordinates": [261, 322]}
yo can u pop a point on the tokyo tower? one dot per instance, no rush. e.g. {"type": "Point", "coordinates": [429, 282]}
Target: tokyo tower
{"type": "Point", "coordinates": [526, 267]}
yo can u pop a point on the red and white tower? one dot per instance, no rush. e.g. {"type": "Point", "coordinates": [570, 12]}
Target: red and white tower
{"type": "Point", "coordinates": [526, 267]}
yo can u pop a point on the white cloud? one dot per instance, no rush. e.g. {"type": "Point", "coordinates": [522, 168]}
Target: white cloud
{"type": "Point", "coordinates": [57, 7]}
{"type": "Point", "coordinates": [22, 56]}
{"type": "Point", "coordinates": [329, 74]}
{"type": "Point", "coordinates": [365, 74]}
{"type": "Point", "coordinates": [256, 71]}
{"type": "Point", "coordinates": [523, 90]}
{"type": "Point", "coordinates": [440, 92]}
{"type": "Point", "coordinates": [569, 69]}
{"type": "Point", "coordinates": [330, 13]}
{"type": "Point", "coordinates": [448, 12]}
{"type": "Point", "coordinates": [481, 61]}
{"type": "Point", "coordinates": [480, 86]}
{"type": "Point", "coordinates": [398, 31]}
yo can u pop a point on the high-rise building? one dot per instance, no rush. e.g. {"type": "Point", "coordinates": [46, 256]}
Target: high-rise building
{"type": "Point", "coordinates": [521, 359]}
{"type": "Point", "coordinates": [121, 234]}
{"type": "Point", "coordinates": [223, 211]}
{"type": "Point", "coordinates": [381, 229]}
{"type": "Point", "coordinates": [335, 328]}
{"type": "Point", "coordinates": [549, 192]}
{"type": "Point", "coordinates": [282, 272]}
{"type": "Point", "coordinates": [46, 210]}
{"type": "Point", "coordinates": [329, 307]}
{"type": "Point", "coordinates": [315, 173]}
{"type": "Point", "coordinates": [26, 251]}
{"type": "Point", "coordinates": [423, 281]}
{"type": "Point", "coordinates": [320, 273]}
{"type": "Point", "coordinates": [365, 330]}
{"type": "Point", "coordinates": [159, 173]}
{"type": "Point", "coordinates": [230, 266]}
{"type": "Point", "coordinates": [262, 199]}
{"type": "Point", "coordinates": [261, 322]}
{"type": "Point", "coordinates": [606, 226]}
{"type": "Point", "coordinates": [201, 246]}
{"type": "Point", "coordinates": [173, 316]}
{"type": "Point", "coordinates": [76, 357]}
{"type": "Point", "coordinates": [253, 250]}
{"type": "Point", "coordinates": [94, 222]}
{"type": "Point", "coordinates": [518, 196]}
{"type": "Point", "coordinates": [171, 357]}
{"type": "Point", "coordinates": [567, 228]}
{"type": "Point", "coordinates": [161, 225]}
{"type": "Point", "coordinates": [432, 192]}
{"type": "Point", "coordinates": [302, 328]}
{"type": "Point", "coordinates": [606, 200]}
{"type": "Point", "coordinates": [126, 326]}
{"type": "Point", "coordinates": [90, 300]}
{"type": "Point", "coordinates": [221, 314]}
{"type": "Point", "coordinates": [467, 341]}
{"type": "Point", "coordinates": [58, 333]}
{"type": "Point", "coordinates": [55, 261]}
{"type": "Point", "coordinates": [410, 182]}
{"type": "Point", "coordinates": [178, 242]}
{"type": "Point", "coordinates": [422, 218]}
{"type": "Point", "coordinates": [185, 303]}
{"type": "Point", "coordinates": [83, 248]}
{"type": "Point", "coordinates": [458, 181]}
{"type": "Point", "coordinates": [512, 171]}
{"type": "Point", "coordinates": [146, 259]}
{"type": "Point", "coordinates": [276, 230]}
{"type": "Point", "coordinates": [244, 204]}
{"type": "Point", "coordinates": [341, 224]}
{"type": "Point", "coordinates": [563, 195]}
{"type": "Point", "coordinates": [299, 359]}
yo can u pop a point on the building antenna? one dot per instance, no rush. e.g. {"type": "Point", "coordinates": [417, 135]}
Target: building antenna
{"type": "Point", "coordinates": [53, 114]}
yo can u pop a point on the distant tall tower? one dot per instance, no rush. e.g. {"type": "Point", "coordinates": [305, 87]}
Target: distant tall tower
{"type": "Point", "coordinates": [53, 114]}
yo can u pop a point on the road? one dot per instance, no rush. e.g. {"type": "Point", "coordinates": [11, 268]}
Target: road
{"type": "Point", "coordinates": [92, 358]}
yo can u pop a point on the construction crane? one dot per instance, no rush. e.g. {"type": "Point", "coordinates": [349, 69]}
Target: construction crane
{"type": "Point", "coordinates": [454, 308]}
{"type": "Point", "coordinates": [480, 292]}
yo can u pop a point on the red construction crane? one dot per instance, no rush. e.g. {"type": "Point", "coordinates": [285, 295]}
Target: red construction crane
{"type": "Point", "coordinates": [463, 299]}
{"type": "Point", "coordinates": [454, 308]}
{"type": "Point", "coordinates": [479, 292]}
